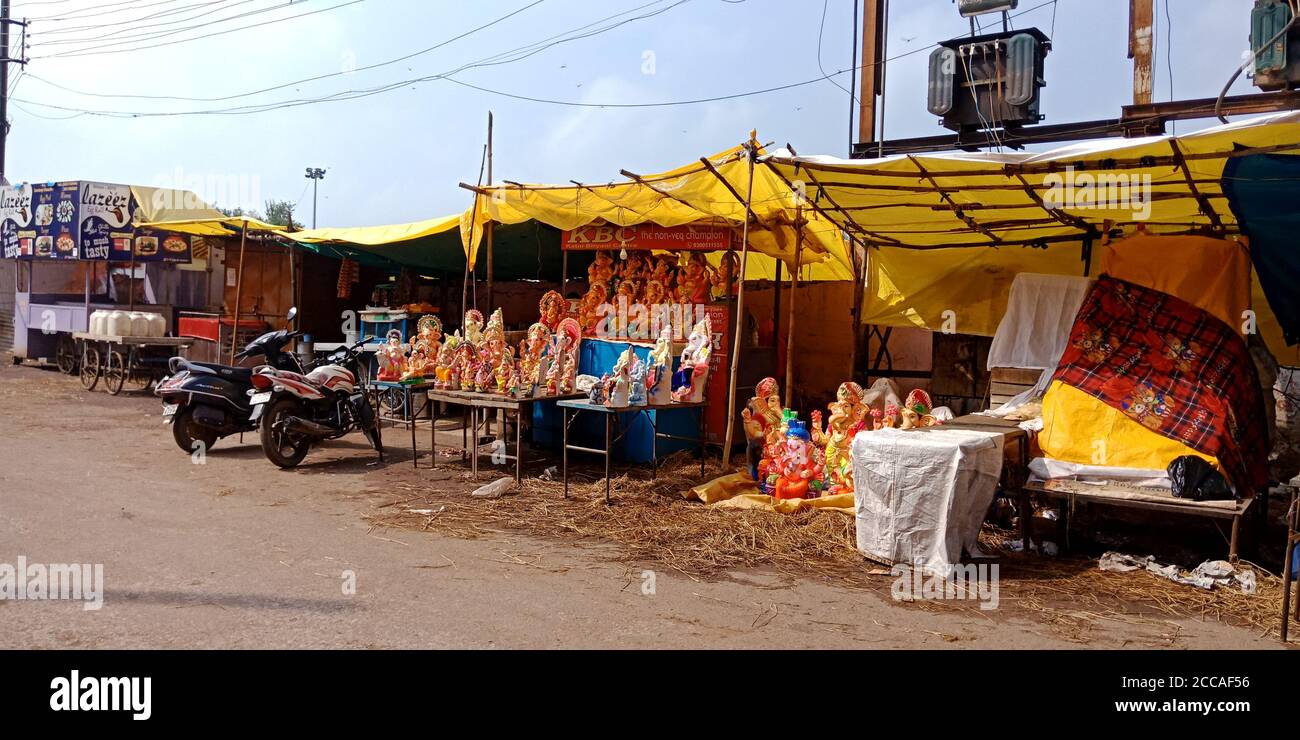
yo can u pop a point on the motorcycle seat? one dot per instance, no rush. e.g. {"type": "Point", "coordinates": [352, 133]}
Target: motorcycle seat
{"type": "Point", "coordinates": [240, 374]}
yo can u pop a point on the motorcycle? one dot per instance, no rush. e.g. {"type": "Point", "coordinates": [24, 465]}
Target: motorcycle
{"type": "Point", "coordinates": [297, 411]}
{"type": "Point", "coordinates": [205, 401]}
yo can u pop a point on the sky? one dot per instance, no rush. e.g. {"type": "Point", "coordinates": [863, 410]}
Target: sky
{"type": "Point", "coordinates": [397, 156]}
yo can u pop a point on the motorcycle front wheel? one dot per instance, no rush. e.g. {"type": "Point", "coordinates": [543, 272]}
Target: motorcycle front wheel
{"type": "Point", "coordinates": [284, 449]}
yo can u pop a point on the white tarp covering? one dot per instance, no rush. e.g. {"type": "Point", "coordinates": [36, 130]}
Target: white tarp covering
{"type": "Point", "coordinates": [922, 494]}
{"type": "Point", "coordinates": [1036, 327]}
{"type": "Point", "coordinates": [1045, 468]}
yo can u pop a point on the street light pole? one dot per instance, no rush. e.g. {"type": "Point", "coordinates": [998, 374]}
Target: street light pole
{"type": "Point", "coordinates": [315, 174]}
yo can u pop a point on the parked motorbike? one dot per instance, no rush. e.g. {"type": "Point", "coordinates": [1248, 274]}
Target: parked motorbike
{"type": "Point", "coordinates": [205, 401]}
{"type": "Point", "coordinates": [297, 411]}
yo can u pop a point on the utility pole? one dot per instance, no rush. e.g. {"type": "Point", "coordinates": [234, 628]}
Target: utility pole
{"type": "Point", "coordinates": [1141, 37]}
{"type": "Point", "coordinates": [873, 68]}
{"type": "Point", "coordinates": [5, 23]}
{"type": "Point", "coordinates": [315, 174]}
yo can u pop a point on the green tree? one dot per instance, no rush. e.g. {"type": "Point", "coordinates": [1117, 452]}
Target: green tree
{"type": "Point", "coordinates": [280, 213]}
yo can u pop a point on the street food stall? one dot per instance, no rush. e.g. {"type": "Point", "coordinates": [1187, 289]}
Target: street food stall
{"type": "Point", "coordinates": [80, 248]}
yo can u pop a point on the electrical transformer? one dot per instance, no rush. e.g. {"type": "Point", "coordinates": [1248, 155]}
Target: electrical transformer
{"type": "Point", "coordinates": [1276, 64]}
{"type": "Point", "coordinates": [987, 82]}
{"type": "Point", "coordinates": [968, 8]}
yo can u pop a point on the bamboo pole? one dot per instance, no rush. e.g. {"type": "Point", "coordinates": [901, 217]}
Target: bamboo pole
{"type": "Point", "coordinates": [794, 292]}
{"type": "Point", "coordinates": [490, 228]}
{"type": "Point", "coordinates": [740, 310]}
{"type": "Point", "coordinates": [473, 221]}
{"type": "Point", "coordinates": [239, 286]}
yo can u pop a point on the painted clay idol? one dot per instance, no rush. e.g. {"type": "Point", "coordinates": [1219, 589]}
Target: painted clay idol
{"type": "Point", "coordinates": [563, 372]}
{"type": "Point", "coordinates": [391, 357]}
{"type": "Point", "coordinates": [429, 330]}
{"type": "Point", "coordinates": [552, 308]}
{"type": "Point", "coordinates": [418, 363]}
{"type": "Point", "coordinates": [446, 357]}
{"type": "Point", "coordinates": [618, 387]}
{"type": "Point", "coordinates": [474, 326]}
{"type": "Point", "coordinates": [693, 285]}
{"type": "Point", "coordinates": [589, 309]}
{"type": "Point", "coordinates": [797, 465]}
{"type": "Point", "coordinates": [636, 382]}
{"type": "Point", "coordinates": [693, 372]}
{"type": "Point", "coordinates": [530, 352]}
{"type": "Point", "coordinates": [761, 420]}
{"type": "Point", "coordinates": [658, 375]}
{"type": "Point", "coordinates": [601, 269]}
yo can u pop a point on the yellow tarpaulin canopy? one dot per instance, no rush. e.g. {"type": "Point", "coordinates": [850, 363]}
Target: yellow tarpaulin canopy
{"type": "Point", "coordinates": [218, 226]}
{"type": "Point", "coordinates": [692, 194]}
{"type": "Point", "coordinates": [1005, 199]}
{"type": "Point", "coordinates": [169, 204]}
{"type": "Point", "coordinates": [378, 235]}
{"type": "Point", "coordinates": [948, 232]}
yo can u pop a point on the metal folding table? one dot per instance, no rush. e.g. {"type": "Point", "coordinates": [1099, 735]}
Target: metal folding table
{"type": "Point", "coordinates": [571, 410]}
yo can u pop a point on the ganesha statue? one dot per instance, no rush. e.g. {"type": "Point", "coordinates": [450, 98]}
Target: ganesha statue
{"type": "Point", "coordinates": [562, 374]}
{"type": "Point", "coordinates": [847, 416]}
{"type": "Point", "coordinates": [429, 330]}
{"type": "Point", "coordinates": [391, 357]}
{"type": "Point", "coordinates": [418, 364]}
{"type": "Point", "coordinates": [618, 387]}
{"type": "Point", "coordinates": [637, 394]}
{"type": "Point", "coordinates": [693, 285]}
{"type": "Point", "coordinates": [601, 269]}
{"type": "Point", "coordinates": [658, 375]}
{"type": "Point", "coordinates": [493, 353]}
{"type": "Point", "coordinates": [530, 353]}
{"type": "Point", "coordinates": [442, 363]}
{"type": "Point", "coordinates": [552, 308]}
{"type": "Point", "coordinates": [590, 312]}
{"type": "Point", "coordinates": [796, 464]}
{"type": "Point", "coordinates": [693, 372]}
{"type": "Point", "coordinates": [474, 326]}
{"type": "Point", "coordinates": [761, 419]}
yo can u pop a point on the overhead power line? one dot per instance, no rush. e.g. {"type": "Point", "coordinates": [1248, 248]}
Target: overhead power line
{"type": "Point", "coordinates": [132, 24]}
{"type": "Point", "coordinates": [380, 89]}
{"type": "Point", "coordinates": [499, 58]}
{"type": "Point", "coordinates": [109, 48]}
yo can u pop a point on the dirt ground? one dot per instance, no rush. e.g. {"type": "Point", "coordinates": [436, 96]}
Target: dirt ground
{"type": "Point", "coordinates": [234, 553]}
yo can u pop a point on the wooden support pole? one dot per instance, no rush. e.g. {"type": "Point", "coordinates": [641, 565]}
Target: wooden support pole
{"type": "Point", "coordinates": [794, 294]}
{"type": "Point", "coordinates": [490, 229]}
{"type": "Point", "coordinates": [776, 307]}
{"type": "Point", "coordinates": [239, 286]}
{"type": "Point", "coordinates": [871, 68]}
{"type": "Point", "coordinates": [740, 310]}
{"type": "Point", "coordinates": [1141, 38]}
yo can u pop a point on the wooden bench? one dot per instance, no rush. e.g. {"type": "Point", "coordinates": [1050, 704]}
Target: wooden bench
{"type": "Point", "coordinates": [1137, 497]}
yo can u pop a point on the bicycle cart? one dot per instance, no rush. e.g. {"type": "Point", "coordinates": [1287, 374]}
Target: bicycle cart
{"type": "Point", "coordinates": [118, 360]}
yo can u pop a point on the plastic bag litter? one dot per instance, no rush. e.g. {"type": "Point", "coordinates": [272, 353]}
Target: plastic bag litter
{"type": "Point", "coordinates": [1195, 479]}
{"type": "Point", "coordinates": [1208, 575]}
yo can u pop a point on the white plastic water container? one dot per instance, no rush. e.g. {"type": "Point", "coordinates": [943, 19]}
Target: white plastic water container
{"type": "Point", "coordinates": [118, 324]}
{"type": "Point", "coordinates": [157, 324]}
{"type": "Point", "coordinates": [97, 319]}
{"type": "Point", "coordinates": [139, 324]}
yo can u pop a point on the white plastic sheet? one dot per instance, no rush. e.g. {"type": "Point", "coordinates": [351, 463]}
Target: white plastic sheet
{"type": "Point", "coordinates": [1040, 312]}
{"type": "Point", "coordinates": [1045, 469]}
{"type": "Point", "coordinates": [923, 494]}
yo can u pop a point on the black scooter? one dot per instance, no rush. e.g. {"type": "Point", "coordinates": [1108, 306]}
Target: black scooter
{"type": "Point", "coordinates": [205, 401]}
